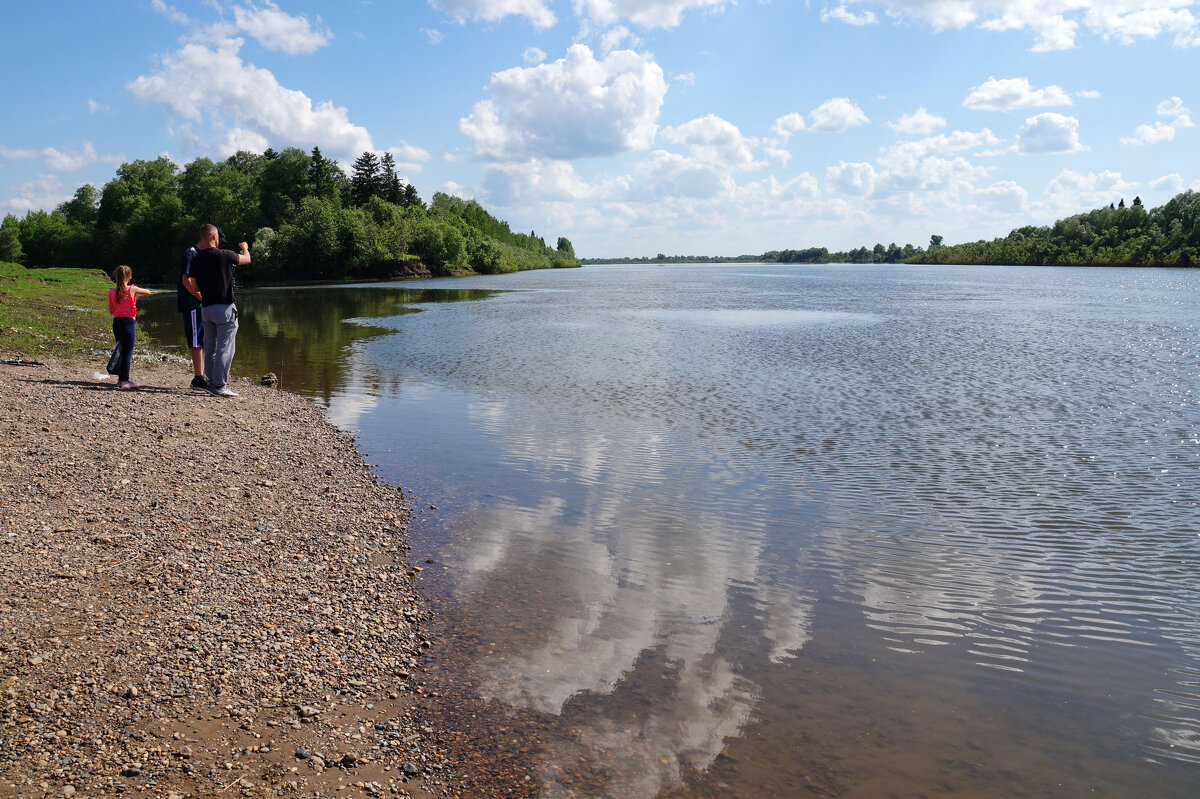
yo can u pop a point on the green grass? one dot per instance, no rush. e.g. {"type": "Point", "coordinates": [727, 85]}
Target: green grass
{"type": "Point", "coordinates": [53, 311]}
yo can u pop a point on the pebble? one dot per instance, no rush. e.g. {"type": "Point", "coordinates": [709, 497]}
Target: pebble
{"type": "Point", "coordinates": [207, 617]}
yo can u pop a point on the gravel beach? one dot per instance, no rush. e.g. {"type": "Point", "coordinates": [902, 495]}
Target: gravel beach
{"type": "Point", "coordinates": [200, 597]}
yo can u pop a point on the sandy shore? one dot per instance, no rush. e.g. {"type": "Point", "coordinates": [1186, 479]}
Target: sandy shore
{"type": "Point", "coordinates": [200, 597]}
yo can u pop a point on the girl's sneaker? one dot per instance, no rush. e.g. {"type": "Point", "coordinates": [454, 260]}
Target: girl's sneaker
{"type": "Point", "coordinates": [126, 384]}
{"type": "Point", "coordinates": [199, 383]}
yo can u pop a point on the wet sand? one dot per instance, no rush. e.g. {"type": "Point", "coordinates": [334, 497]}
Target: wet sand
{"type": "Point", "coordinates": [201, 597]}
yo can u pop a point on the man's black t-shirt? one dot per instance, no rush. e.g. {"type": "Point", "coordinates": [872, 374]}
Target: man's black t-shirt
{"type": "Point", "coordinates": [213, 270]}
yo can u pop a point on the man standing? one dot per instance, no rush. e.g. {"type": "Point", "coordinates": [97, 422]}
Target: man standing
{"type": "Point", "coordinates": [193, 325]}
{"type": "Point", "coordinates": [211, 282]}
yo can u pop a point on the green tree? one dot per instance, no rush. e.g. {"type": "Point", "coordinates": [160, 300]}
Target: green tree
{"type": "Point", "coordinates": [565, 248]}
{"type": "Point", "coordinates": [83, 208]}
{"type": "Point", "coordinates": [307, 246]}
{"type": "Point", "coordinates": [411, 199]}
{"type": "Point", "coordinates": [391, 188]}
{"type": "Point", "coordinates": [10, 240]}
{"type": "Point", "coordinates": [365, 180]}
{"type": "Point", "coordinates": [323, 176]}
{"type": "Point", "coordinates": [439, 245]}
{"type": "Point", "coordinates": [140, 216]}
{"type": "Point", "coordinates": [222, 194]}
{"type": "Point", "coordinates": [282, 184]}
{"type": "Point", "coordinates": [935, 241]}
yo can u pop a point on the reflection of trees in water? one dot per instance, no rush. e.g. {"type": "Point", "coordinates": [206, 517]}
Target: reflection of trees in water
{"type": "Point", "coordinates": [302, 333]}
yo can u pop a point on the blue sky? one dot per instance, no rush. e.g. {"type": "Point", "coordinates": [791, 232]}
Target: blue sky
{"type": "Point", "coordinates": [635, 126]}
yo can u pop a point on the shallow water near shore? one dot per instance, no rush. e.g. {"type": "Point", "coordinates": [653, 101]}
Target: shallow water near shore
{"type": "Point", "coordinates": [758, 530]}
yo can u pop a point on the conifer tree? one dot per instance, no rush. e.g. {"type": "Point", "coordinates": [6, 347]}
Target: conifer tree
{"type": "Point", "coordinates": [320, 175]}
{"type": "Point", "coordinates": [366, 179]}
{"type": "Point", "coordinates": [391, 188]}
{"type": "Point", "coordinates": [411, 198]}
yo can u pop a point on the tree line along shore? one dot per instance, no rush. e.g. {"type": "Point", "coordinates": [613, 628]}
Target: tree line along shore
{"type": "Point", "coordinates": [1115, 235]}
{"type": "Point", "coordinates": [303, 216]}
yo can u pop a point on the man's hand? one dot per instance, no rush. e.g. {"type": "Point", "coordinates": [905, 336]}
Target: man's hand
{"type": "Point", "coordinates": [193, 288]}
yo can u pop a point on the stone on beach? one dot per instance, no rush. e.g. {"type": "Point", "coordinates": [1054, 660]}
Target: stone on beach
{"type": "Point", "coordinates": [178, 575]}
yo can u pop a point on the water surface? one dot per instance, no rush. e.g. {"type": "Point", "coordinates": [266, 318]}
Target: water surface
{"type": "Point", "coordinates": [761, 530]}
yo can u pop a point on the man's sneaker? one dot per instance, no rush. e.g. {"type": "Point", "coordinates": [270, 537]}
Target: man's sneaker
{"type": "Point", "coordinates": [126, 384]}
{"type": "Point", "coordinates": [199, 383]}
{"type": "Point", "coordinates": [222, 392]}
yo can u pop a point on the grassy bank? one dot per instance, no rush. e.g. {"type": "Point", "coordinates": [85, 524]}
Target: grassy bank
{"type": "Point", "coordinates": [52, 311]}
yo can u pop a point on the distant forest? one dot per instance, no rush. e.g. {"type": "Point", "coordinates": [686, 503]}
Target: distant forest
{"type": "Point", "coordinates": [1116, 235]}
{"type": "Point", "coordinates": [303, 216]}
{"type": "Point", "coordinates": [891, 254]}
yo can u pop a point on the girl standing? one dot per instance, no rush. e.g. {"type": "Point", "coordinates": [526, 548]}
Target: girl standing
{"type": "Point", "coordinates": [122, 301]}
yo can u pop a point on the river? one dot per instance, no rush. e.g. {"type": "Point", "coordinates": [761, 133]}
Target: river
{"type": "Point", "coordinates": [762, 530]}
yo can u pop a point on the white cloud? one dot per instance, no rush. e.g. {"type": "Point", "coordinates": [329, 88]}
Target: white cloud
{"type": "Point", "coordinates": [644, 13]}
{"type": "Point", "coordinates": [1145, 135]}
{"type": "Point", "coordinates": [213, 83]}
{"type": "Point", "coordinates": [1159, 132]}
{"type": "Point", "coordinates": [1173, 183]}
{"type": "Point", "coordinates": [170, 12]}
{"type": "Point", "coordinates": [237, 139]}
{"type": "Point", "coordinates": [1008, 94]}
{"type": "Point", "coordinates": [1129, 20]}
{"type": "Point", "coordinates": [45, 191]}
{"type": "Point", "coordinates": [618, 36]}
{"type": "Point", "coordinates": [1074, 192]}
{"type": "Point", "coordinates": [13, 154]}
{"type": "Point", "coordinates": [277, 30]}
{"type": "Point", "coordinates": [776, 153]}
{"type": "Point", "coordinates": [843, 14]}
{"type": "Point", "coordinates": [539, 181]}
{"type": "Point", "coordinates": [570, 108]}
{"type": "Point", "coordinates": [662, 175]}
{"type": "Point", "coordinates": [1174, 107]}
{"type": "Point", "coordinates": [788, 124]}
{"type": "Point", "coordinates": [536, 11]}
{"type": "Point", "coordinates": [851, 178]}
{"type": "Point", "coordinates": [433, 35]}
{"type": "Point", "coordinates": [409, 158]}
{"type": "Point", "coordinates": [684, 79]}
{"type": "Point", "coordinates": [69, 162]}
{"type": "Point", "coordinates": [94, 106]}
{"type": "Point", "coordinates": [836, 116]}
{"type": "Point", "coordinates": [533, 55]}
{"type": "Point", "coordinates": [1055, 23]}
{"type": "Point", "coordinates": [802, 187]}
{"type": "Point", "coordinates": [936, 163]}
{"type": "Point", "coordinates": [1049, 133]}
{"type": "Point", "coordinates": [918, 123]}
{"type": "Point", "coordinates": [716, 142]}
{"type": "Point", "coordinates": [1088, 94]}
{"type": "Point", "coordinates": [1002, 197]}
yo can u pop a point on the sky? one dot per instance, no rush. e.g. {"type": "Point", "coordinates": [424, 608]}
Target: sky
{"type": "Point", "coordinates": [634, 127]}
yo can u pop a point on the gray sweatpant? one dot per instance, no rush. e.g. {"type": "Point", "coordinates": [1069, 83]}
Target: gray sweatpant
{"type": "Point", "coordinates": [220, 341]}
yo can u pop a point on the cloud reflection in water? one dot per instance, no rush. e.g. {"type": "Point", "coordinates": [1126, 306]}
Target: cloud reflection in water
{"type": "Point", "coordinates": [607, 583]}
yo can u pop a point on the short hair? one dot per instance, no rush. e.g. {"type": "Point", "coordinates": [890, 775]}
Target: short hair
{"type": "Point", "coordinates": [207, 230]}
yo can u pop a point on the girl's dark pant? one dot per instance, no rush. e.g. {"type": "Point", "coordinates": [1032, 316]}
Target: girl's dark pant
{"type": "Point", "coordinates": [124, 331]}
